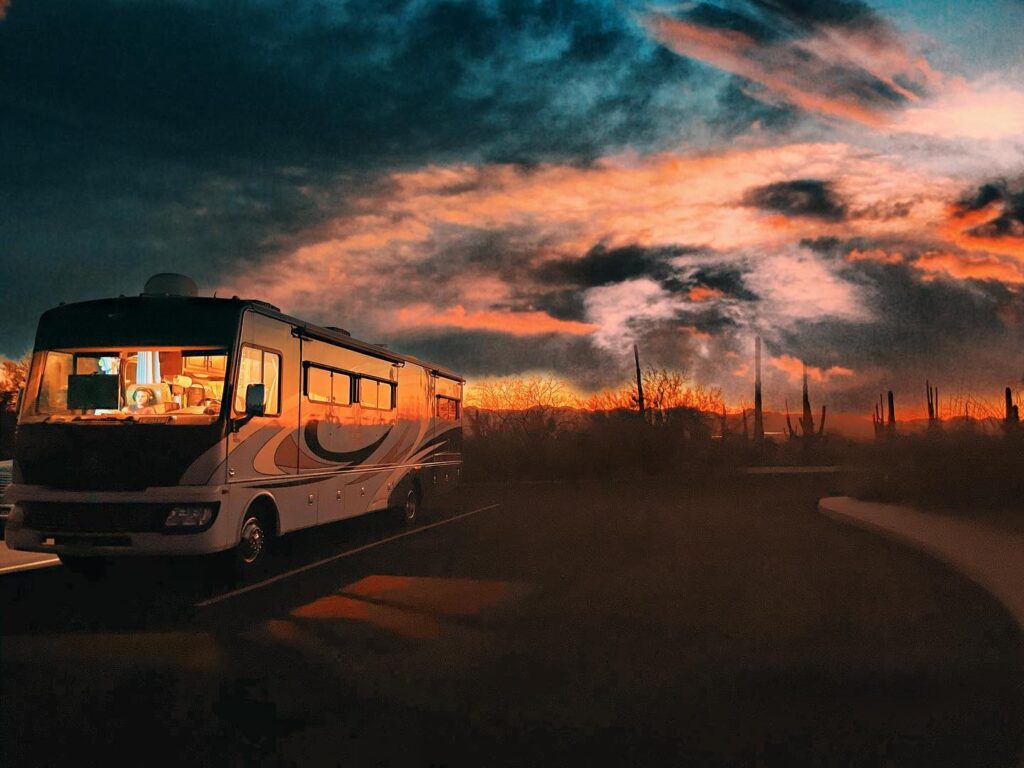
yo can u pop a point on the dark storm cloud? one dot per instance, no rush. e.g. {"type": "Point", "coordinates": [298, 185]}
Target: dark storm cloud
{"type": "Point", "coordinates": [204, 137]}
{"type": "Point", "coordinates": [767, 21]}
{"type": "Point", "coordinates": [800, 197]}
{"type": "Point", "coordinates": [466, 252]}
{"type": "Point", "coordinates": [358, 84]}
{"type": "Point", "coordinates": [829, 246]}
{"type": "Point", "coordinates": [717, 17]}
{"type": "Point", "coordinates": [986, 194]}
{"type": "Point", "coordinates": [836, 58]}
{"type": "Point", "coordinates": [1010, 220]}
{"type": "Point", "coordinates": [604, 266]}
{"type": "Point", "coordinates": [810, 13]}
{"type": "Point", "coordinates": [563, 305]}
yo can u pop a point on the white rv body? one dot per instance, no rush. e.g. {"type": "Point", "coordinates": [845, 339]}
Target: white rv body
{"type": "Point", "coordinates": [350, 428]}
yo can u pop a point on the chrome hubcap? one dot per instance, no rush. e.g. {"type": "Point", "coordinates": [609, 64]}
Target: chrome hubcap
{"type": "Point", "coordinates": [252, 541]}
{"type": "Point", "coordinates": [410, 506]}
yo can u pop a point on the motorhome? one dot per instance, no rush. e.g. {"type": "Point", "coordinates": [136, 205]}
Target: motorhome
{"type": "Point", "coordinates": [174, 424]}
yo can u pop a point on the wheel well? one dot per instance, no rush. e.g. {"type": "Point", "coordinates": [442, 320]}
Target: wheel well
{"type": "Point", "coordinates": [266, 508]}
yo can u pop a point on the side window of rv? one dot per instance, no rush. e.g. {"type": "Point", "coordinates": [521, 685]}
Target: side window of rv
{"type": "Point", "coordinates": [326, 386]}
{"type": "Point", "coordinates": [447, 408]}
{"type": "Point", "coordinates": [53, 394]}
{"type": "Point", "coordinates": [259, 366]}
{"type": "Point", "coordinates": [376, 394]}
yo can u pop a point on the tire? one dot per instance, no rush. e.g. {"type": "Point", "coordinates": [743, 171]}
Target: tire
{"type": "Point", "coordinates": [247, 560]}
{"type": "Point", "coordinates": [250, 555]}
{"type": "Point", "coordinates": [89, 567]}
{"type": "Point", "coordinates": [411, 509]}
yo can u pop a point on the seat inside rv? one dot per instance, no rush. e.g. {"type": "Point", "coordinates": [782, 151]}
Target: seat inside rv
{"type": "Point", "coordinates": [188, 384]}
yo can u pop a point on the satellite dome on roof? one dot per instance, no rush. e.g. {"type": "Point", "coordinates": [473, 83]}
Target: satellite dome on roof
{"type": "Point", "coordinates": [170, 284]}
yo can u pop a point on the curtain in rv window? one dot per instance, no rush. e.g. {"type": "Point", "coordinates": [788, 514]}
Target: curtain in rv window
{"type": "Point", "coordinates": [324, 385]}
{"type": "Point", "coordinates": [376, 394]}
{"type": "Point", "coordinates": [258, 366]}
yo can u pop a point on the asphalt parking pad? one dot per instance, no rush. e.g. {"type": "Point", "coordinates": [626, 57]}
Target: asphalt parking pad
{"type": "Point", "coordinates": [119, 651]}
{"type": "Point", "coordinates": [411, 606]}
{"type": "Point", "coordinates": [447, 597]}
{"type": "Point", "coordinates": [397, 620]}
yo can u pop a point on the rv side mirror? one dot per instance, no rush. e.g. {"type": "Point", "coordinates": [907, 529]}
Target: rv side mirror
{"type": "Point", "coordinates": [255, 400]}
{"type": "Point", "coordinates": [255, 405]}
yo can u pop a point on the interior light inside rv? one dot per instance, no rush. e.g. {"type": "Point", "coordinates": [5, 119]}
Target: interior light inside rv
{"type": "Point", "coordinates": [189, 516]}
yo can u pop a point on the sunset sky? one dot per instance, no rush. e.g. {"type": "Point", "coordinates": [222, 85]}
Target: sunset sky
{"type": "Point", "coordinates": [522, 186]}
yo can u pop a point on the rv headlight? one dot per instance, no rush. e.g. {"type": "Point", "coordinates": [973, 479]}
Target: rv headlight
{"type": "Point", "coordinates": [189, 516]}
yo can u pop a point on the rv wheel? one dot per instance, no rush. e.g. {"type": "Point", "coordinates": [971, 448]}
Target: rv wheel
{"type": "Point", "coordinates": [411, 507]}
{"type": "Point", "coordinates": [90, 567]}
{"type": "Point", "coordinates": [251, 552]}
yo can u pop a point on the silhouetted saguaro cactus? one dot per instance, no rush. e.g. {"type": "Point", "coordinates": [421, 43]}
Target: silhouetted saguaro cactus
{"type": "Point", "coordinates": [877, 419]}
{"type": "Point", "coordinates": [933, 402]}
{"type": "Point", "coordinates": [806, 422]}
{"type": "Point", "coordinates": [639, 381]}
{"type": "Point", "coordinates": [758, 408]}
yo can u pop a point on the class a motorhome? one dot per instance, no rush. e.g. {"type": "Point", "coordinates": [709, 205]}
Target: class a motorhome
{"type": "Point", "coordinates": [174, 424]}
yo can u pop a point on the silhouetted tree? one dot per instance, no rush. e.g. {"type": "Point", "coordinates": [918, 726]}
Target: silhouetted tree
{"type": "Point", "coordinates": [13, 375]}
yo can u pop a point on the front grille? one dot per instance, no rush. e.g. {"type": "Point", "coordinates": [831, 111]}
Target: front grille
{"type": "Point", "coordinates": [5, 476]}
{"type": "Point", "coordinates": [93, 541]}
{"type": "Point", "coordinates": [94, 518]}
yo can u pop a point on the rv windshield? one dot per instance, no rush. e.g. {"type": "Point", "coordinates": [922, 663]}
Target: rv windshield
{"type": "Point", "coordinates": [161, 384]}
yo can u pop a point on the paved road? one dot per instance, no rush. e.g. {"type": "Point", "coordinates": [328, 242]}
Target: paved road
{"type": "Point", "coordinates": [620, 625]}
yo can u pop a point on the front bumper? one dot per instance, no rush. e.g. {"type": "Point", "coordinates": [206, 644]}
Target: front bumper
{"type": "Point", "coordinates": [114, 523]}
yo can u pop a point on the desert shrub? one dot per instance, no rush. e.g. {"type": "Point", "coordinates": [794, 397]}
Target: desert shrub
{"type": "Point", "coordinates": [959, 467]}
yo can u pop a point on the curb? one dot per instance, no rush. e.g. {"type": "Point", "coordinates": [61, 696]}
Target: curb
{"type": "Point", "coordinates": [991, 558]}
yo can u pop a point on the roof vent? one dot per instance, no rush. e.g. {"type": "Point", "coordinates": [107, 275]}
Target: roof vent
{"type": "Point", "coordinates": [170, 284]}
{"type": "Point", "coordinates": [336, 329]}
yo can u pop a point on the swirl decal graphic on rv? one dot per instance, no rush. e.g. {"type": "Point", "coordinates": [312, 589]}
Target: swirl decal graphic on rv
{"type": "Point", "coordinates": [358, 455]}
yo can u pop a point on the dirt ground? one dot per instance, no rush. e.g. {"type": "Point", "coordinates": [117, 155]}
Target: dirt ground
{"type": "Point", "coordinates": [614, 623]}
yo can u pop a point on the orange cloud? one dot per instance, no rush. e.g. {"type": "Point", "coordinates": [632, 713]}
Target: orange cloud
{"type": "Point", "coordinates": [738, 53]}
{"type": "Point", "coordinates": [555, 211]}
{"type": "Point", "coordinates": [794, 369]}
{"type": "Point", "coordinates": [798, 71]}
{"type": "Point", "coordinates": [968, 267]}
{"type": "Point", "coordinates": [515, 323]}
{"type": "Point", "coordinates": [962, 228]}
{"type": "Point", "coordinates": [4, 6]}
{"type": "Point", "coordinates": [703, 293]}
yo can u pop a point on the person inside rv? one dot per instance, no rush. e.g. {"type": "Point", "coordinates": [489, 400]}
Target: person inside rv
{"type": "Point", "coordinates": [143, 401]}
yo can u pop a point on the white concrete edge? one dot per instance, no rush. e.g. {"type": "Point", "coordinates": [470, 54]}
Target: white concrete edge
{"type": "Point", "coordinates": [1003, 580]}
{"type": "Point", "coordinates": [35, 564]}
{"type": "Point", "coordinates": [845, 509]}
